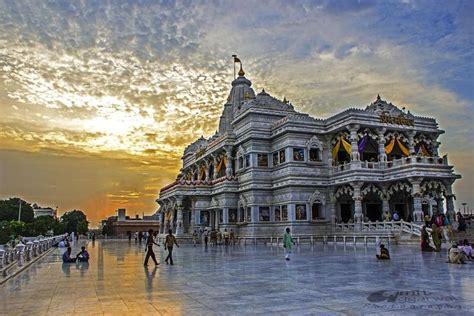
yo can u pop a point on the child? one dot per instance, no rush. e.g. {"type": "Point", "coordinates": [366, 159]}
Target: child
{"type": "Point", "coordinates": [384, 254]}
{"type": "Point", "coordinates": [287, 243]}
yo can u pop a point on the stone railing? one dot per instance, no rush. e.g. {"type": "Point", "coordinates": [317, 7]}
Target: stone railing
{"type": "Point", "coordinates": [398, 226]}
{"type": "Point", "coordinates": [22, 253]}
{"type": "Point", "coordinates": [382, 165]}
{"type": "Point", "coordinates": [198, 182]}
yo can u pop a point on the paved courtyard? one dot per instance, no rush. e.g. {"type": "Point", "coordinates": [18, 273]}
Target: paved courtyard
{"type": "Point", "coordinates": [222, 280]}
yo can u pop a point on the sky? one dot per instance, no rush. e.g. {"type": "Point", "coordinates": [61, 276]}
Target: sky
{"type": "Point", "coordinates": [98, 99]}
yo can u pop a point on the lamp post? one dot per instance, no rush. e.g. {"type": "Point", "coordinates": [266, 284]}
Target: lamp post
{"type": "Point", "coordinates": [19, 212]}
{"type": "Point", "coordinates": [464, 208]}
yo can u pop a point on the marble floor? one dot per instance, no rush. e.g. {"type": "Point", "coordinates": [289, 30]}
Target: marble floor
{"type": "Point", "coordinates": [319, 280]}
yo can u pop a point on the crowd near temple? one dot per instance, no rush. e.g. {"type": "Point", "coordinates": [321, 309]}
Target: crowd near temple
{"type": "Point", "coordinates": [268, 167]}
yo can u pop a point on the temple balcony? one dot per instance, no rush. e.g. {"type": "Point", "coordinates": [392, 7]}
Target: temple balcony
{"type": "Point", "coordinates": [407, 166]}
{"type": "Point", "coordinates": [184, 187]}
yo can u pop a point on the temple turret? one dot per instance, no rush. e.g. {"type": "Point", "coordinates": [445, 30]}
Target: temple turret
{"type": "Point", "coordinates": [241, 91]}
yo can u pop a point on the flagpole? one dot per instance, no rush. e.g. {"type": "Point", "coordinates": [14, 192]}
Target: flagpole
{"type": "Point", "coordinates": [234, 56]}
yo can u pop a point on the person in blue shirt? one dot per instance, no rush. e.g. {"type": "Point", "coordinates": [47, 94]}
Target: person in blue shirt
{"type": "Point", "coordinates": [83, 256]}
{"type": "Point", "coordinates": [67, 256]}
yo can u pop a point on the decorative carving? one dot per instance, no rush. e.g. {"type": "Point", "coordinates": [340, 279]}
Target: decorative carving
{"type": "Point", "coordinates": [372, 188]}
{"type": "Point", "coordinates": [346, 189]}
{"type": "Point", "coordinates": [398, 187]}
{"type": "Point", "coordinates": [317, 197]}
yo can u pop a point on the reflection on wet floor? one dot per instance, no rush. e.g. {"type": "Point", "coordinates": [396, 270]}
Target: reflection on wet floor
{"type": "Point", "coordinates": [328, 279]}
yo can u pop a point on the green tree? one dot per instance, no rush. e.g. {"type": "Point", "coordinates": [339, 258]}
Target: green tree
{"type": "Point", "coordinates": [6, 233]}
{"type": "Point", "coordinates": [9, 210]}
{"type": "Point", "coordinates": [75, 221]}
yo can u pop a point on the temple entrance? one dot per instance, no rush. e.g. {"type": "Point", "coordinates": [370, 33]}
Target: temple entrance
{"type": "Point", "coordinates": [401, 210]}
{"type": "Point", "coordinates": [346, 212]}
{"type": "Point", "coordinates": [372, 206]}
{"type": "Point", "coordinates": [317, 211]}
{"type": "Point", "coordinates": [373, 211]}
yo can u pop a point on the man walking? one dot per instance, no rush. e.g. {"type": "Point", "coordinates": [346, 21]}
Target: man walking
{"type": "Point", "coordinates": [149, 247]}
{"type": "Point", "coordinates": [287, 243]}
{"type": "Point", "coordinates": [169, 243]}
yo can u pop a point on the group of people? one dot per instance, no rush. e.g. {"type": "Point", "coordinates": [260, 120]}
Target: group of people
{"type": "Point", "coordinates": [214, 237]}
{"type": "Point", "coordinates": [82, 256]}
{"type": "Point", "coordinates": [460, 252]}
{"type": "Point", "coordinates": [170, 242]}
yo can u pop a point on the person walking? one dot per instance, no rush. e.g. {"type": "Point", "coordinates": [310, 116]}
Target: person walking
{"type": "Point", "coordinates": [287, 243]}
{"type": "Point", "coordinates": [195, 236]}
{"type": "Point", "coordinates": [170, 241]}
{"type": "Point", "coordinates": [149, 247]}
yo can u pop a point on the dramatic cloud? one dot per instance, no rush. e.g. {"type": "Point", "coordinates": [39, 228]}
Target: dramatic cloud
{"type": "Point", "coordinates": [130, 83]}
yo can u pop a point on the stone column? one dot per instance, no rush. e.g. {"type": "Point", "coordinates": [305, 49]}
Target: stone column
{"type": "Point", "coordinates": [179, 216]}
{"type": "Point", "coordinates": [358, 216]}
{"type": "Point", "coordinates": [385, 205]}
{"type": "Point", "coordinates": [225, 215]}
{"type": "Point", "coordinates": [416, 194]}
{"type": "Point", "coordinates": [355, 156]}
{"type": "Point", "coordinates": [332, 207]}
{"type": "Point", "coordinates": [193, 214]}
{"type": "Point", "coordinates": [381, 142]}
{"type": "Point", "coordinates": [228, 170]}
{"type": "Point", "coordinates": [450, 197]}
{"type": "Point", "coordinates": [411, 142]}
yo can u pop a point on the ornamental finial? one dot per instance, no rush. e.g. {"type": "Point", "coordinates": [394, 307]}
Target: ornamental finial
{"type": "Point", "coordinates": [241, 71]}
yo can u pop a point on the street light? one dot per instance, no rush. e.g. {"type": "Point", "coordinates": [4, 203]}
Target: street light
{"type": "Point", "coordinates": [464, 207]}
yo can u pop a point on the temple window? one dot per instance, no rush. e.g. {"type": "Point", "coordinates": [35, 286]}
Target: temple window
{"type": "Point", "coordinates": [262, 160]}
{"type": "Point", "coordinates": [315, 154]}
{"type": "Point", "coordinates": [247, 161]}
{"type": "Point", "coordinates": [221, 216]}
{"type": "Point", "coordinates": [275, 159]}
{"type": "Point", "coordinates": [241, 162]}
{"type": "Point", "coordinates": [281, 213]}
{"type": "Point", "coordinates": [282, 156]}
{"type": "Point", "coordinates": [248, 214]}
{"type": "Point", "coordinates": [316, 210]}
{"type": "Point", "coordinates": [341, 151]}
{"type": "Point", "coordinates": [368, 148]}
{"type": "Point", "coordinates": [232, 215]}
{"type": "Point", "coordinates": [301, 214]}
{"type": "Point", "coordinates": [298, 154]}
{"type": "Point", "coordinates": [396, 149]}
{"type": "Point", "coordinates": [264, 214]}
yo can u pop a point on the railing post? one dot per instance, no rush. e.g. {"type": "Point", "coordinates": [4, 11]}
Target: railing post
{"type": "Point", "coordinates": [29, 250]}
{"type": "Point", "coordinates": [2, 256]}
{"type": "Point", "coordinates": [20, 252]}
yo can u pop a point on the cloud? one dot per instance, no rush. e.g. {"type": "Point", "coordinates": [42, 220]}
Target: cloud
{"type": "Point", "coordinates": [140, 80]}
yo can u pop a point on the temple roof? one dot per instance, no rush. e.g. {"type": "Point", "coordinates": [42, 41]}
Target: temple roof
{"type": "Point", "coordinates": [380, 106]}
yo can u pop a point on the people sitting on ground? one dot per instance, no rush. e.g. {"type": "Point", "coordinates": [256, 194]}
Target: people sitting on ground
{"type": "Point", "coordinates": [455, 255]}
{"type": "Point", "coordinates": [384, 254]}
{"type": "Point", "coordinates": [467, 249]}
{"type": "Point", "coordinates": [425, 240]}
{"type": "Point", "coordinates": [62, 244]}
{"type": "Point", "coordinates": [83, 255]}
{"type": "Point", "coordinates": [67, 256]}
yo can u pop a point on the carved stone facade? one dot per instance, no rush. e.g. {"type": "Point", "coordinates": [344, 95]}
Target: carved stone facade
{"type": "Point", "coordinates": [270, 167]}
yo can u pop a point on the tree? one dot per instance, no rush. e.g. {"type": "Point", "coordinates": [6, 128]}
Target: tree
{"type": "Point", "coordinates": [9, 210]}
{"type": "Point", "coordinates": [75, 221]}
{"type": "Point", "coordinates": [43, 225]}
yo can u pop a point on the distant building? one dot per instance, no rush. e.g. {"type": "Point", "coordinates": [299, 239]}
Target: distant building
{"type": "Point", "coordinates": [44, 211]}
{"type": "Point", "coordinates": [122, 224]}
